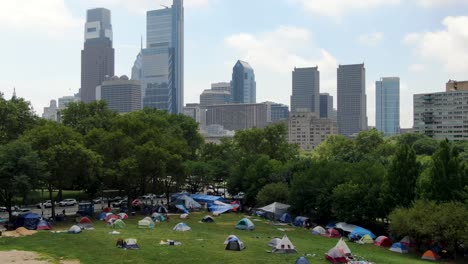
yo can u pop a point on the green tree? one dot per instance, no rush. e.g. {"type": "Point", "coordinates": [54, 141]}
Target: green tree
{"type": "Point", "coordinates": [20, 168]}
{"type": "Point", "coordinates": [425, 146]}
{"type": "Point", "coordinates": [336, 148]}
{"type": "Point", "coordinates": [273, 192]}
{"type": "Point", "coordinates": [16, 116]}
{"type": "Point", "coordinates": [85, 117]}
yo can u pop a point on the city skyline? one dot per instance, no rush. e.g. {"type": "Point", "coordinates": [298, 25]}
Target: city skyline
{"type": "Point", "coordinates": [306, 37]}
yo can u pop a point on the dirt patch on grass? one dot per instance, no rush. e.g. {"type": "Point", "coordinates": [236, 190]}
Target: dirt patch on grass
{"type": "Point", "coordinates": [25, 257]}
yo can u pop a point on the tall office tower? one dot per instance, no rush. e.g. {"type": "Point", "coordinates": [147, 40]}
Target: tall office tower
{"type": "Point", "coordinates": [239, 116]}
{"type": "Point", "coordinates": [352, 115]}
{"type": "Point", "coordinates": [305, 90]}
{"type": "Point", "coordinates": [97, 57]}
{"type": "Point", "coordinates": [243, 85]}
{"type": "Point", "coordinates": [387, 106]}
{"type": "Point", "coordinates": [162, 62]}
{"type": "Point", "coordinates": [51, 112]}
{"type": "Point", "coordinates": [121, 94]}
{"type": "Point", "coordinates": [326, 106]}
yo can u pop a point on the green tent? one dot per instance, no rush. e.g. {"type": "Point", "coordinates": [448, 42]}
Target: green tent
{"type": "Point", "coordinates": [119, 223]}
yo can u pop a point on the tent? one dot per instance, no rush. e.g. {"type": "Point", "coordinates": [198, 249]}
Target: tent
{"type": "Point", "coordinates": [203, 198]}
{"type": "Point", "coordinates": [207, 219]}
{"type": "Point", "coordinates": [182, 208]}
{"type": "Point", "coordinates": [43, 225]}
{"type": "Point", "coordinates": [302, 260]}
{"type": "Point", "coordinates": [235, 205]}
{"type": "Point", "coordinates": [187, 202]}
{"type": "Point", "coordinates": [346, 227]}
{"type": "Point", "coordinates": [274, 242]}
{"type": "Point", "coordinates": [332, 233]}
{"type": "Point", "coordinates": [300, 221]}
{"type": "Point", "coordinates": [157, 217]}
{"type": "Point", "coordinates": [218, 209]}
{"type": "Point", "coordinates": [235, 244]}
{"type": "Point", "coordinates": [109, 217]}
{"type": "Point", "coordinates": [102, 216]}
{"type": "Point", "coordinates": [184, 216]}
{"type": "Point", "coordinates": [181, 227]}
{"type": "Point", "coordinates": [130, 243]}
{"type": "Point", "coordinates": [318, 230]}
{"type": "Point", "coordinates": [399, 248]}
{"type": "Point", "coordinates": [74, 230]}
{"type": "Point", "coordinates": [29, 221]}
{"type": "Point", "coordinates": [430, 255]}
{"type": "Point", "coordinates": [366, 239]}
{"type": "Point", "coordinates": [285, 218]}
{"type": "Point", "coordinates": [406, 241]}
{"type": "Point", "coordinates": [119, 223]}
{"type": "Point", "coordinates": [123, 216]}
{"type": "Point", "coordinates": [227, 239]}
{"type": "Point", "coordinates": [85, 222]}
{"type": "Point", "coordinates": [341, 245]}
{"type": "Point", "coordinates": [162, 210]}
{"type": "Point", "coordinates": [145, 223]}
{"type": "Point", "coordinates": [383, 241]}
{"type": "Point", "coordinates": [284, 246]}
{"type": "Point", "coordinates": [335, 255]}
{"type": "Point", "coordinates": [359, 232]}
{"type": "Point", "coordinates": [275, 210]}
{"type": "Point", "coordinates": [245, 224]}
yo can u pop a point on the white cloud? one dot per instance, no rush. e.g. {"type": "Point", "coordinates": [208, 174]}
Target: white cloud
{"type": "Point", "coordinates": [416, 67]}
{"type": "Point", "coordinates": [447, 47]}
{"type": "Point", "coordinates": [440, 3]}
{"type": "Point", "coordinates": [337, 8]}
{"type": "Point", "coordinates": [371, 39]}
{"type": "Point", "coordinates": [274, 54]}
{"type": "Point", "coordinates": [51, 17]}
{"type": "Point", "coordinates": [141, 6]}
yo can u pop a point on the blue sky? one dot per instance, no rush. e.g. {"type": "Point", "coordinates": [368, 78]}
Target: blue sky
{"type": "Point", "coordinates": [424, 42]}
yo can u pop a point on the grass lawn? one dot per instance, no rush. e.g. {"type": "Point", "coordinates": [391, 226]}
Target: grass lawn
{"type": "Point", "coordinates": [203, 244]}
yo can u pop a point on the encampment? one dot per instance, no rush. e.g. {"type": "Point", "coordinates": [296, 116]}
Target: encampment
{"type": "Point", "coordinates": [145, 223]}
{"type": "Point", "coordinates": [29, 220]}
{"type": "Point", "coordinates": [383, 241]}
{"type": "Point", "coordinates": [74, 230]}
{"type": "Point", "coordinates": [245, 224]}
{"type": "Point", "coordinates": [299, 221]}
{"type": "Point", "coordinates": [366, 239]}
{"type": "Point", "coordinates": [110, 217]}
{"type": "Point", "coordinates": [85, 222]}
{"type": "Point", "coordinates": [182, 227]}
{"type": "Point", "coordinates": [399, 248]}
{"type": "Point", "coordinates": [235, 244]}
{"type": "Point", "coordinates": [430, 255]}
{"type": "Point", "coordinates": [335, 255]}
{"type": "Point", "coordinates": [318, 230]}
{"type": "Point", "coordinates": [187, 202]}
{"type": "Point", "coordinates": [131, 243]}
{"type": "Point", "coordinates": [341, 245]}
{"type": "Point", "coordinates": [123, 216]}
{"type": "Point", "coordinates": [406, 241]}
{"type": "Point", "coordinates": [332, 233]}
{"type": "Point", "coordinates": [207, 219]}
{"type": "Point", "coordinates": [286, 218]}
{"type": "Point", "coordinates": [302, 260]}
{"type": "Point", "coordinates": [43, 225]}
{"type": "Point", "coordinates": [359, 232]}
{"type": "Point", "coordinates": [275, 210]}
{"type": "Point", "coordinates": [284, 246]}
{"type": "Point", "coordinates": [119, 223]}
{"type": "Point", "coordinates": [274, 242]}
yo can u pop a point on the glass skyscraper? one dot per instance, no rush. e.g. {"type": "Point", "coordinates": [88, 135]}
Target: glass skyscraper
{"type": "Point", "coordinates": [243, 85]}
{"type": "Point", "coordinates": [352, 108]}
{"type": "Point", "coordinates": [305, 90]}
{"type": "Point", "coordinates": [160, 67]}
{"type": "Point", "coordinates": [97, 57]}
{"type": "Point", "coordinates": [387, 106]}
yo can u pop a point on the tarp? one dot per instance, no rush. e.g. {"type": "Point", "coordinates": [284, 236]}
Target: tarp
{"type": "Point", "coordinates": [74, 230]}
{"type": "Point", "coordinates": [430, 255]}
{"type": "Point", "coordinates": [245, 224]}
{"type": "Point", "coordinates": [302, 260]}
{"type": "Point", "coordinates": [219, 209]}
{"type": "Point", "coordinates": [182, 208]}
{"type": "Point", "coordinates": [318, 230]}
{"type": "Point", "coordinates": [181, 227]}
{"type": "Point", "coordinates": [399, 248]}
{"type": "Point", "coordinates": [335, 255]}
{"type": "Point", "coordinates": [285, 218]}
{"type": "Point", "coordinates": [300, 221]}
{"type": "Point", "coordinates": [162, 210]}
{"type": "Point", "coordinates": [187, 202]}
{"type": "Point", "coordinates": [43, 225]}
{"type": "Point", "coordinates": [203, 198]}
{"type": "Point", "coordinates": [284, 246]}
{"type": "Point", "coordinates": [359, 232]}
{"type": "Point", "coordinates": [275, 210]}
{"type": "Point", "coordinates": [346, 227]}
{"type": "Point", "coordinates": [383, 241]}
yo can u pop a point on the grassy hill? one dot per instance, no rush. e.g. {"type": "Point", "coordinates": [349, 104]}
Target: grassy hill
{"type": "Point", "coordinates": [204, 244]}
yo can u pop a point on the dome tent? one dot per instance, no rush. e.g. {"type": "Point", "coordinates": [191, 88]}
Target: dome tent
{"type": "Point", "coordinates": [74, 230]}
{"type": "Point", "coordinates": [383, 241]}
{"type": "Point", "coordinates": [399, 248]}
{"type": "Point", "coordinates": [318, 230]}
{"type": "Point", "coordinates": [207, 219]}
{"type": "Point", "coordinates": [284, 246]}
{"type": "Point", "coordinates": [245, 224]}
{"type": "Point", "coordinates": [235, 244]}
{"type": "Point", "coordinates": [182, 227]}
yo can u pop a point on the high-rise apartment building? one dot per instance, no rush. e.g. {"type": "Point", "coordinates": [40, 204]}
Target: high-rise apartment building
{"type": "Point", "coordinates": [121, 94]}
{"type": "Point", "coordinates": [442, 115]}
{"type": "Point", "coordinates": [326, 105]}
{"type": "Point", "coordinates": [305, 90]}
{"type": "Point", "coordinates": [453, 85]}
{"type": "Point", "coordinates": [308, 130]}
{"type": "Point", "coordinates": [351, 93]}
{"type": "Point", "coordinates": [387, 106]}
{"type": "Point", "coordinates": [239, 116]}
{"type": "Point", "coordinates": [214, 97]}
{"type": "Point", "coordinates": [97, 57]}
{"type": "Point", "coordinates": [243, 85]}
{"type": "Point", "coordinates": [160, 66]}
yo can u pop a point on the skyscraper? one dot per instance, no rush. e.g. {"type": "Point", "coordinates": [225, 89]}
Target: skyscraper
{"type": "Point", "coordinates": [326, 105]}
{"type": "Point", "coordinates": [243, 85]}
{"type": "Point", "coordinates": [121, 94]}
{"type": "Point", "coordinates": [305, 90]}
{"type": "Point", "coordinates": [387, 106]}
{"type": "Point", "coordinates": [97, 57]}
{"type": "Point", "coordinates": [352, 115]}
{"type": "Point", "coordinates": [161, 65]}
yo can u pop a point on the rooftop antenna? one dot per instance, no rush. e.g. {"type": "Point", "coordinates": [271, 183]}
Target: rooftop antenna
{"type": "Point", "coordinates": [164, 6]}
{"type": "Point", "coordinates": [14, 92]}
{"type": "Point", "coordinates": [141, 43]}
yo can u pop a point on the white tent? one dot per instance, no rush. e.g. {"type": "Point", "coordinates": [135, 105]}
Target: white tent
{"type": "Point", "coordinates": [343, 247]}
{"type": "Point", "coordinates": [276, 209]}
{"type": "Point", "coordinates": [74, 229]}
{"type": "Point", "coordinates": [228, 238]}
{"type": "Point", "coordinates": [345, 227]}
{"type": "Point", "coordinates": [182, 227]}
{"type": "Point", "coordinates": [274, 242]}
{"type": "Point", "coordinates": [318, 230]}
{"type": "Point", "coordinates": [284, 246]}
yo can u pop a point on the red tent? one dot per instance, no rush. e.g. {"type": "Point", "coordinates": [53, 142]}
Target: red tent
{"type": "Point", "coordinates": [107, 210]}
{"type": "Point", "coordinates": [110, 217]}
{"type": "Point", "coordinates": [383, 241]}
{"type": "Point", "coordinates": [85, 220]}
{"type": "Point", "coordinates": [332, 233]}
{"type": "Point", "coordinates": [335, 255]}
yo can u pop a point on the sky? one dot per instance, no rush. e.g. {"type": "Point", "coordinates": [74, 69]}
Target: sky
{"type": "Point", "coordinates": [424, 42]}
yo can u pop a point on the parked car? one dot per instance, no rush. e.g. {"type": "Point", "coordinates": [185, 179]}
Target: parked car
{"type": "Point", "coordinates": [100, 200]}
{"type": "Point", "coordinates": [137, 202]}
{"type": "Point", "coordinates": [46, 204]}
{"type": "Point", "coordinates": [115, 199]}
{"type": "Point", "coordinates": [20, 211]}
{"type": "Point", "coordinates": [120, 203]}
{"type": "Point", "coordinates": [239, 196]}
{"type": "Point", "coordinates": [68, 202]}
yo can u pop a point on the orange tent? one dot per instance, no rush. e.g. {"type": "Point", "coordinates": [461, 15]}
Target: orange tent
{"type": "Point", "coordinates": [430, 255]}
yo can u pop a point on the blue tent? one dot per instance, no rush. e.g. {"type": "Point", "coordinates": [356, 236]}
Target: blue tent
{"type": "Point", "coordinates": [285, 218]}
{"type": "Point", "coordinates": [302, 260]}
{"type": "Point", "coordinates": [219, 209]}
{"type": "Point", "coordinates": [102, 216]}
{"type": "Point", "coordinates": [299, 221]}
{"type": "Point", "coordinates": [30, 220]}
{"type": "Point", "coordinates": [359, 232]}
{"type": "Point", "coordinates": [399, 248]}
{"type": "Point", "coordinates": [182, 208]}
{"type": "Point", "coordinates": [202, 198]}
